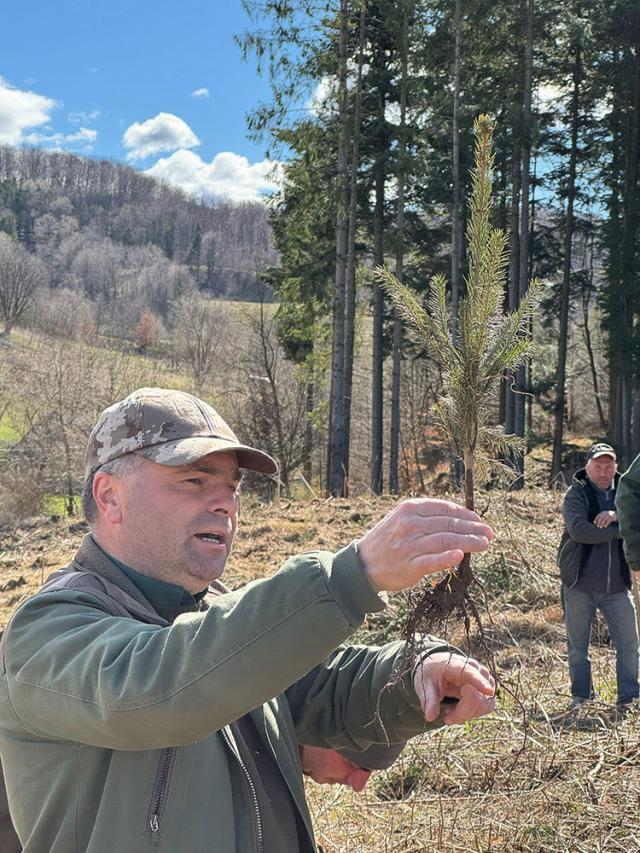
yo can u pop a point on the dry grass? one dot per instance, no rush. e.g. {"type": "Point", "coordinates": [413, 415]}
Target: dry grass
{"type": "Point", "coordinates": [532, 777]}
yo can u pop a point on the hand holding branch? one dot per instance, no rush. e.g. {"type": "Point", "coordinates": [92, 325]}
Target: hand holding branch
{"type": "Point", "coordinates": [419, 537]}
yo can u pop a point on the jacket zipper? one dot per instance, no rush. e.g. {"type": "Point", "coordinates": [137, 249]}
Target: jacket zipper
{"type": "Point", "coordinates": [609, 572]}
{"type": "Point", "coordinates": [250, 783]}
{"type": "Point", "coordinates": [160, 789]}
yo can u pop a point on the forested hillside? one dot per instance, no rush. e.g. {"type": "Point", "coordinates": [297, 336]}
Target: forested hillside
{"type": "Point", "coordinates": [117, 243]}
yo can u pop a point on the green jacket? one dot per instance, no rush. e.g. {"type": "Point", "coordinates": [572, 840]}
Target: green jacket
{"type": "Point", "coordinates": [628, 509]}
{"type": "Point", "coordinates": [116, 728]}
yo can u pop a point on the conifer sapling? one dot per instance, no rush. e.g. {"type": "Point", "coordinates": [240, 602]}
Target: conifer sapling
{"type": "Point", "coordinates": [488, 343]}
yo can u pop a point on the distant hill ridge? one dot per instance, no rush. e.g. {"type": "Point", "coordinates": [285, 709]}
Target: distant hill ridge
{"type": "Point", "coordinates": [61, 206]}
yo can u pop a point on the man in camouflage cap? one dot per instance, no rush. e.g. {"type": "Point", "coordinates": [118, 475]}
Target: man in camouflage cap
{"type": "Point", "coordinates": [143, 705]}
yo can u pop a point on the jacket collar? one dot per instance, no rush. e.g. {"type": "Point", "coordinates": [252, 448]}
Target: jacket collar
{"type": "Point", "coordinates": [92, 558]}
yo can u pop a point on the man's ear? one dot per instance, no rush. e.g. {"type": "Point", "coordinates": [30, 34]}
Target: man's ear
{"type": "Point", "coordinates": [107, 497]}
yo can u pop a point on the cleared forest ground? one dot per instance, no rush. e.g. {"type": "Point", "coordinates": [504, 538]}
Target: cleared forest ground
{"type": "Point", "coordinates": [532, 777]}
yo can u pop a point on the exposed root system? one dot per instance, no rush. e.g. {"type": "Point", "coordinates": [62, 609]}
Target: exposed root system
{"type": "Point", "coordinates": [430, 611]}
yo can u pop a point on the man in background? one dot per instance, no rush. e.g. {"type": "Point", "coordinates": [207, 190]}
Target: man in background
{"type": "Point", "coordinates": [595, 576]}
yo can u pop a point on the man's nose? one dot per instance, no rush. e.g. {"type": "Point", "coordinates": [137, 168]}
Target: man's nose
{"type": "Point", "coordinates": [358, 779]}
{"type": "Point", "coordinates": [223, 502]}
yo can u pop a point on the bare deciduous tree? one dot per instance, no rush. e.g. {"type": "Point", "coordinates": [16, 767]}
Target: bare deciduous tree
{"type": "Point", "coordinates": [20, 276]}
{"type": "Point", "coordinates": [273, 413]}
{"type": "Point", "coordinates": [199, 326]}
{"type": "Point", "coordinates": [59, 388]}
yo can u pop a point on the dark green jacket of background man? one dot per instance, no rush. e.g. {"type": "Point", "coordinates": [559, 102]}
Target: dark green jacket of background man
{"type": "Point", "coordinates": [117, 728]}
{"type": "Point", "coordinates": [628, 507]}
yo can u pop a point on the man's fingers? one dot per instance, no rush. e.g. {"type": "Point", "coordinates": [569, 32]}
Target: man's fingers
{"type": "Point", "coordinates": [449, 524]}
{"type": "Point", "coordinates": [470, 705]}
{"type": "Point", "coordinates": [428, 507]}
{"type": "Point", "coordinates": [451, 551]}
{"type": "Point", "coordinates": [469, 675]}
{"type": "Point", "coordinates": [427, 692]}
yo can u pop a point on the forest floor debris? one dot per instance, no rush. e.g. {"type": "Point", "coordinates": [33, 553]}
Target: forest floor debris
{"type": "Point", "coordinates": [534, 777]}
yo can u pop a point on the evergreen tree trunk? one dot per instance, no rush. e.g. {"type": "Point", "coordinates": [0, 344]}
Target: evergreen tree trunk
{"type": "Point", "coordinates": [514, 269]}
{"type": "Point", "coordinates": [457, 467]}
{"type": "Point", "coordinates": [523, 273]}
{"type": "Point", "coordinates": [350, 290]}
{"type": "Point", "coordinates": [456, 221]}
{"type": "Point", "coordinates": [630, 251]}
{"type": "Point", "coordinates": [394, 486]}
{"type": "Point", "coordinates": [377, 367]}
{"type": "Point", "coordinates": [377, 405]}
{"type": "Point", "coordinates": [513, 298]}
{"type": "Point", "coordinates": [336, 448]}
{"type": "Point", "coordinates": [558, 432]}
{"type": "Point", "coordinates": [532, 226]}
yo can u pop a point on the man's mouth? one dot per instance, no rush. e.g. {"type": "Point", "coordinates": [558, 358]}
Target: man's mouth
{"type": "Point", "coordinates": [216, 538]}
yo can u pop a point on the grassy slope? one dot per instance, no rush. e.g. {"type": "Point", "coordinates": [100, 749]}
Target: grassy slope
{"type": "Point", "coordinates": [530, 778]}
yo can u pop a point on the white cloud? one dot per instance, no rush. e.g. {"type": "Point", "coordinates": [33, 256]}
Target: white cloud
{"type": "Point", "coordinates": [82, 139]}
{"type": "Point", "coordinates": [200, 93]}
{"type": "Point", "coordinates": [83, 117]}
{"type": "Point", "coordinates": [164, 132]}
{"type": "Point", "coordinates": [228, 175]}
{"type": "Point", "coordinates": [20, 110]}
{"type": "Point", "coordinates": [326, 87]}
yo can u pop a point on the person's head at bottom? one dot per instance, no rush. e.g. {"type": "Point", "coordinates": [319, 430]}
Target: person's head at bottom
{"type": "Point", "coordinates": [330, 767]}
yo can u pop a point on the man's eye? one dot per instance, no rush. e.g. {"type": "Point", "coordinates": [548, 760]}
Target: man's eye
{"type": "Point", "coordinates": [195, 480]}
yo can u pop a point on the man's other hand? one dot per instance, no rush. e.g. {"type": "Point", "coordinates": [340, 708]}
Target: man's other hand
{"type": "Point", "coordinates": [445, 675]}
{"type": "Point", "coordinates": [419, 537]}
{"type": "Point", "coordinates": [604, 519]}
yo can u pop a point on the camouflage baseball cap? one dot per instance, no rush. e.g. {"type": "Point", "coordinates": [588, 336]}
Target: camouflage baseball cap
{"type": "Point", "coordinates": [168, 427]}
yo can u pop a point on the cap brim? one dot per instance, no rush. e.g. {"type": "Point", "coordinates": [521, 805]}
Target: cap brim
{"type": "Point", "coordinates": [375, 757]}
{"type": "Point", "coordinates": [604, 453]}
{"type": "Point", "coordinates": [184, 451]}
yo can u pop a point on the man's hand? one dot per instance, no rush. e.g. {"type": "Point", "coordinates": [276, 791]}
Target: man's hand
{"type": "Point", "coordinates": [448, 675]}
{"type": "Point", "coordinates": [604, 519]}
{"type": "Point", "coordinates": [419, 537]}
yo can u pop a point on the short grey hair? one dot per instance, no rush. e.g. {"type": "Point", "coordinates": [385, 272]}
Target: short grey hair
{"type": "Point", "coordinates": [120, 467]}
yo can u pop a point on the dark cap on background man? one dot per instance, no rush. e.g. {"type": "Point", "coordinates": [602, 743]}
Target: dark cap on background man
{"type": "Point", "coordinates": [168, 427]}
{"type": "Point", "coordinates": [601, 449]}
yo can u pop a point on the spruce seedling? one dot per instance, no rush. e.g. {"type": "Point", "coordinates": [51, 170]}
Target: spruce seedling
{"type": "Point", "coordinates": [488, 343]}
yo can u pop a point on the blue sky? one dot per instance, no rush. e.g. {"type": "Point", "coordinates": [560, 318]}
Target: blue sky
{"type": "Point", "coordinates": [160, 85]}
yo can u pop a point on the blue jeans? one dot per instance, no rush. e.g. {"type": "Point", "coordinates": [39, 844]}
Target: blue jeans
{"type": "Point", "coordinates": [579, 611]}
